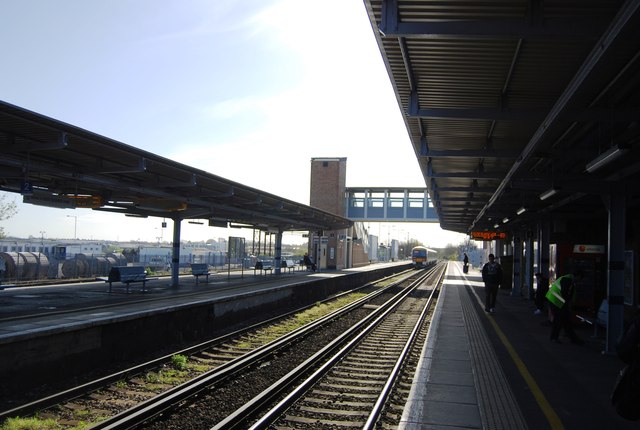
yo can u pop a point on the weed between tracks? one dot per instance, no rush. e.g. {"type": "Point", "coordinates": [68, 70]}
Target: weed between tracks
{"type": "Point", "coordinates": [268, 334]}
{"type": "Point", "coordinates": [81, 415]}
{"type": "Point", "coordinates": [30, 424]}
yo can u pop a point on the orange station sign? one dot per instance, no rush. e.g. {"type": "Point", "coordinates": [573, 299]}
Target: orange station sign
{"type": "Point", "coordinates": [488, 235]}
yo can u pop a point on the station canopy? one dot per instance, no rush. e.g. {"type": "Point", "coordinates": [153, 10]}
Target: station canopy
{"type": "Point", "coordinates": [59, 165]}
{"type": "Point", "coordinates": [517, 109]}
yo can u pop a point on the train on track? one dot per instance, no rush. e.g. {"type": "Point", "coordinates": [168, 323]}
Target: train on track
{"type": "Point", "coordinates": [419, 257]}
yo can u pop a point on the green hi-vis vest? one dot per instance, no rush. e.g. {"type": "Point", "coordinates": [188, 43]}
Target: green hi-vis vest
{"type": "Point", "coordinates": [554, 295]}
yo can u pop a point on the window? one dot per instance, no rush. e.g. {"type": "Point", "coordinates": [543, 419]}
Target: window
{"type": "Point", "coordinates": [396, 203]}
{"type": "Point", "coordinates": [376, 203]}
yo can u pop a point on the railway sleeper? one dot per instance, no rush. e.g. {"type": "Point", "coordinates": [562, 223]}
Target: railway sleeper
{"type": "Point", "coordinates": [356, 368]}
{"type": "Point", "coordinates": [342, 403]}
{"type": "Point", "coordinates": [362, 396]}
{"type": "Point", "coordinates": [372, 363]}
{"type": "Point", "coordinates": [322, 422]}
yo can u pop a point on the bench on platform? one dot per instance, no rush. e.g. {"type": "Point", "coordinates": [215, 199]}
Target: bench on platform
{"type": "Point", "coordinates": [263, 266]}
{"type": "Point", "coordinates": [601, 317]}
{"type": "Point", "coordinates": [127, 275]}
{"type": "Point", "coordinates": [290, 265]}
{"type": "Point", "coordinates": [200, 269]}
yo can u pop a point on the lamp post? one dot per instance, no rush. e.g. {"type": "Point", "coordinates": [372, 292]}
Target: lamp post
{"type": "Point", "coordinates": [75, 225]}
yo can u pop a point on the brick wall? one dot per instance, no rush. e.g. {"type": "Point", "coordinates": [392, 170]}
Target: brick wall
{"type": "Point", "coordinates": [360, 257]}
{"type": "Point", "coordinates": [328, 183]}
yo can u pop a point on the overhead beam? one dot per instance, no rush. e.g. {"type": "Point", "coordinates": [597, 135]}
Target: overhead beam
{"type": "Point", "coordinates": [497, 114]}
{"type": "Point", "coordinates": [488, 113]}
{"type": "Point", "coordinates": [477, 190]}
{"type": "Point", "coordinates": [515, 29]}
{"type": "Point", "coordinates": [618, 24]}
{"type": "Point", "coordinates": [225, 195]}
{"type": "Point", "coordinates": [576, 27]}
{"type": "Point", "coordinates": [468, 175]}
{"type": "Point", "coordinates": [479, 153]}
{"type": "Point", "coordinates": [140, 168]}
{"type": "Point", "coordinates": [60, 142]}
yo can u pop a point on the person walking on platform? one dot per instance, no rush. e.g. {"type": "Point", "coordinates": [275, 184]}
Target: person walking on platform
{"type": "Point", "coordinates": [309, 264]}
{"type": "Point", "coordinates": [541, 292]}
{"type": "Point", "coordinates": [492, 278]}
{"type": "Point", "coordinates": [465, 263]}
{"type": "Point", "coordinates": [560, 295]}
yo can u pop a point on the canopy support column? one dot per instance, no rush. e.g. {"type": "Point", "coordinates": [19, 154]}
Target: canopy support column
{"type": "Point", "coordinates": [615, 274]}
{"type": "Point", "coordinates": [277, 261]}
{"type": "Point", "coordinates": [175, 254]}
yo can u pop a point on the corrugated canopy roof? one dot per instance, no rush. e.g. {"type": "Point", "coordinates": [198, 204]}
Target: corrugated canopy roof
{"type": "Point", "coordinates": [67, 166]}
{"type": "Point", "coordinates": [506, 99]}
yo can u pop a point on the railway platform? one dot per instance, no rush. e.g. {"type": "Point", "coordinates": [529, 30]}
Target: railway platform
{"type": "Point", "coordinates": [501, 371]}
{"type": "Point", "coordinates": [50, 333]}
{"type": "Point", "coordinates": [31, 309]}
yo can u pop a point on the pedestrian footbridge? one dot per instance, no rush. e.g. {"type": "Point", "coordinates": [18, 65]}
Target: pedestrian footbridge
{"type": "Point", "coordinates": [390, 204]}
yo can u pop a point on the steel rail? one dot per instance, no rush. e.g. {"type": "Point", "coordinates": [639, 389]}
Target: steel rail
{"type": "Point", "coordinates": [393, 376]}
{"type": "Point", "coordinates": [167, 400]}
{"type": "Point", "coordinates": [343, 344]}
{"type": "Point", "coordinates": [83, 389]}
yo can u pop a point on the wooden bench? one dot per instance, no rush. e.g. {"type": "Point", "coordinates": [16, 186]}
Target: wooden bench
{"type": "Point", "coordinates": [200, 269]}
{"type": "Point", "coordinates": [127, 275]}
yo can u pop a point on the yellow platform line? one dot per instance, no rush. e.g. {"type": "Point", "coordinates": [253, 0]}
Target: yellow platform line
{"type": "Point", "coordinates": [545, 406]}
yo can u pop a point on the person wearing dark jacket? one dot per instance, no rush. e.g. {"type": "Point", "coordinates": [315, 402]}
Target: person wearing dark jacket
{"type": "Point", "coordinates": [560, 296]}
{"type": "Point", "coordinates": [541, 292]}
{"type": "Point", "coordinates": [492, 278]}
{"type": "Point", "coordinates": [309, 264]}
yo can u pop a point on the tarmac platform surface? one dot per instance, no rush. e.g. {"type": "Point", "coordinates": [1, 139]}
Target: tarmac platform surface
{"type": "Point", "coordinates": [30, 311]}
{"type": "Point", "coordinates": [501, 371]}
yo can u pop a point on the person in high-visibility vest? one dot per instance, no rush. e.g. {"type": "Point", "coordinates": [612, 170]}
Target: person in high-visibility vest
{"type": "Point", "coordinates": [560, 296]}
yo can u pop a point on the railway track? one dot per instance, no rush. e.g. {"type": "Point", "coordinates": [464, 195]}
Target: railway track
{"type": "Point", "coordinates": [353, 388]}
{"type": "Point", "coordinates": [122, 393]}
{"type": "Point", "coordinates": [227, 399]}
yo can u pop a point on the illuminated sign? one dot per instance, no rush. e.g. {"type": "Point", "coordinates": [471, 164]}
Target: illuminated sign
{"type": "Point", "coordinates": [588, 249]}
{"type": "Point", "coordinates": [87, 202]}
{"type": "Point", "coordinates": [488, 235]}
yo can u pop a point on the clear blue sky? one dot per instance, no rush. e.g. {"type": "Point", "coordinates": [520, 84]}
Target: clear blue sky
{"type": "Point", "coordinates": [249, 90]}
